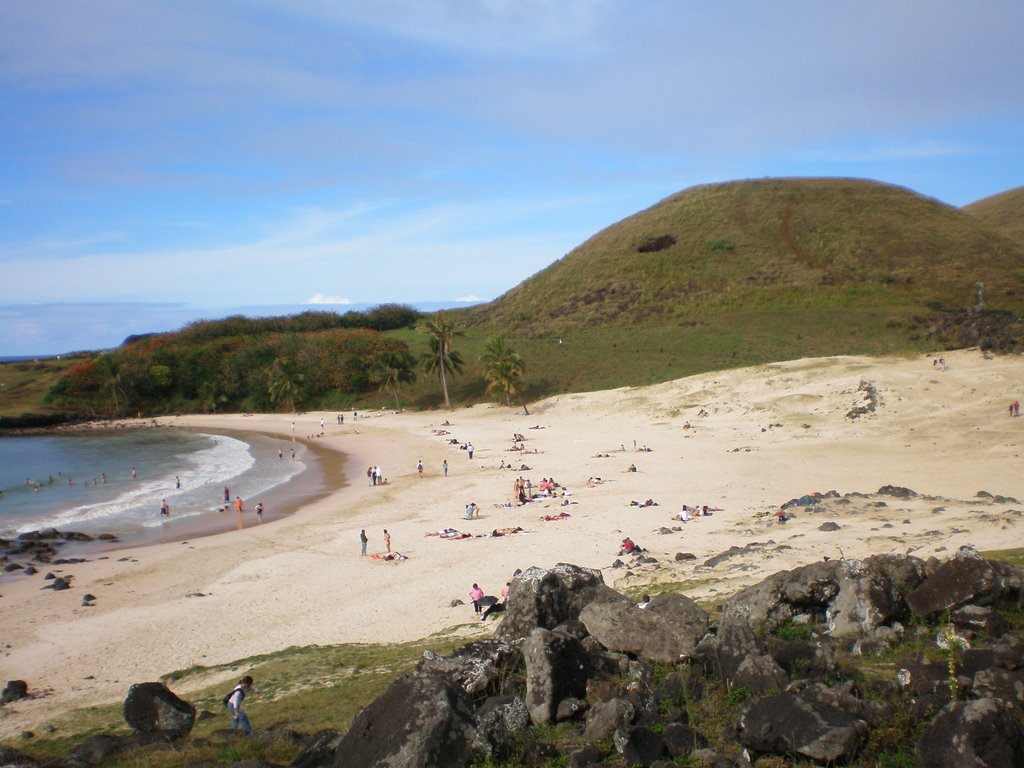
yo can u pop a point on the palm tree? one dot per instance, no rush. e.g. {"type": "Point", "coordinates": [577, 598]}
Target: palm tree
{"type": "Point", "coordinates": [504, 369]}
{"type": "Point", "coordinates": [391, 370]}
{"type": "Point", "coordinates": [110, 370]}
{"type": "Point", "coordinates": [441, 358]}
{"type": "Point", "coordinates": [284, 382]}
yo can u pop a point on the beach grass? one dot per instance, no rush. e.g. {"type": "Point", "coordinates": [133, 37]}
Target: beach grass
{"type": "Point", "coordinates": [302, 689]}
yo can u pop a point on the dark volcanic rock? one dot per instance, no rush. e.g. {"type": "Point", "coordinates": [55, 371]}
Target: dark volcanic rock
{"type": "Point", "coordinates": [964, 579]}
{"type": "Point", "coordinates": [787, 724]}
{"type": "Point", "coordinates": [420, 720]}
{"type": "Point", "coordinates": [666, 631]}
{"type": "Point", "coordinates": [152, 708]}
{"type": "Point", "coordinates": [319, 751]}
{"type": "Point", "coordinates": [984, 733]}
{"type": "Point", "coordinates": [547, 598]}
{"type": "Point", "coordinates": [475, 667]}
{"type": "Point", "coordinates": [14, 690]}
{"type": "Point", "coordinates": [557, 667]}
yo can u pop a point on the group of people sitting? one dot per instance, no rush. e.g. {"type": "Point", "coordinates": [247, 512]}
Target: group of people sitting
{"type": "Point", "coordinates": [522, 490]}
{"type": "Point", "coordinates": [688, 513]}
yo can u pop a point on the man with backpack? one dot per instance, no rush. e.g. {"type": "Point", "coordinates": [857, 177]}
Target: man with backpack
{"type": "Point", "coordinates": [233, 702]}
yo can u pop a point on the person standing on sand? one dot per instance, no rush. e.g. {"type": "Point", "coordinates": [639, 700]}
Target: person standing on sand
{"type": "Point", "coordinates": [475, 594]}
{"type": "Point", "coordinates": [469, 449]}
{"type": "Point", "coordinates": [419, 468]}
{"type": "Point", "coordinates": [362, 543]}
{"type": "Point", "coordinates": [259, 512]}
{"type": "Point", "coordinates": [444, 466]}
{"type": "Point", "coordinates": [177, 483]}
{"type": "Point", "coordinates": [387, 541]}
{"type": "Point", "coordinates": [234, 705]}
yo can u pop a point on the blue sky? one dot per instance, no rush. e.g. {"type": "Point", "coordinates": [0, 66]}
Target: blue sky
{"type": "Point", "coordinates": [211, 154]}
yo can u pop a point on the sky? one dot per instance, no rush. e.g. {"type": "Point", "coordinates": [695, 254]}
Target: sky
{"type": "Point", "coordinates": [162, 160]}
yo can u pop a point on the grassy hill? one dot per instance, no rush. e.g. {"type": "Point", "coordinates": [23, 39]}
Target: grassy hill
{"type": "Point", "coordinates": [717, 276]}
{"type": "Point", "coordinates": [1003, 213]}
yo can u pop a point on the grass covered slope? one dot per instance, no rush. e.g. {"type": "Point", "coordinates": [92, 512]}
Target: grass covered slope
{"type": "Point", "coordinates": [770, 245]}
{"type": "Point", "coordinates": [1002, 213]}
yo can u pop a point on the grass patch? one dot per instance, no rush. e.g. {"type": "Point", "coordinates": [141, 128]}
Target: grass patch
{"type": "Point", "coordinates": [307, 689]}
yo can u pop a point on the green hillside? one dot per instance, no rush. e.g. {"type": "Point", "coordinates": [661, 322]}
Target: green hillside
{"type": "Point", "coordinates": [1003, 213]}
{"type": "Point", "coordinates": [715, 277]}
{"type": "Point", "coordinates": [771, 245]}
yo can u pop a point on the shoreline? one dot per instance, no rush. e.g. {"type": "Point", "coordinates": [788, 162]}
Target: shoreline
{"type": "Point", "coordinates": [771, 433]}
{"type": "Point", "coordinates": [322, 474]}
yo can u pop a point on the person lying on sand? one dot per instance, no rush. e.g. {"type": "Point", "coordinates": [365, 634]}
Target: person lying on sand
{"type": "Point", "coordinates": [506, 531]}
{"type": "Point", "coordinates": [389, 556]}
{"type": "Point", "coordinates": [642, 504]}
{"type": "Point", "coordinates": [559, 516]}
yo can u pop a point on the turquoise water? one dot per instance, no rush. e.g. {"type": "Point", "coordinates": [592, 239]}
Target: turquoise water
{"type": "Point", "coordinates": [84, 483]}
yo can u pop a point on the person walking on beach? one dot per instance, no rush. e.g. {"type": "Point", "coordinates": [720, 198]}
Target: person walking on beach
{"type": "Point", "coordinates": [233, 702]}
{"type": "Point", "coordinates": [238, 504]}
{"type": "Point", "coordinates": [362, 543]}
{"type": "Point", "coordinates": [135, 475]}
{"type": "Point", "coordinates": [259, 512]}
{"type": "Point", "coordinates": [387, 541]}
{"type": "Point", "coordinates": [475, 594]}
{"type": "Point", "coordinates": [419, 468]}
{"type": "Point", "coordinates": [469, 449]}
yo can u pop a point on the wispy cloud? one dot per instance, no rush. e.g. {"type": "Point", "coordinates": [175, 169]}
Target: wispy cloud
{"type": "Point", "coordinates": [320, 298]}
{"type": "Point", "coordinates": [470, 299]}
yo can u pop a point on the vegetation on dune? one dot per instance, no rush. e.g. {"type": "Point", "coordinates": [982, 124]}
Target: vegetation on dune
{"type": "Point", "coordinates": [715, 277]}
{"type": "Point", "coordinates": [1003, 213]}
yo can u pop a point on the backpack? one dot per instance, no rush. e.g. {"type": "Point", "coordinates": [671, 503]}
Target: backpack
{"type": "Point", "coordinates": [227, 699]}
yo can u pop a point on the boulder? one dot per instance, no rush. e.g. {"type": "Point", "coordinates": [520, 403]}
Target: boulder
{"type": "Point", "coordinates": [722, 653]}
{"type": "Point", "coordinates": [666, 631]}
{"type": "Point", "coordinates": [605, 717]}
{"type": "Point", "coordinates": [681, 740]}
{"type": "Point", "coordinates": [979, 619]}
{"type": "Point", "coordinates": [557, 667]}
{"type": "Point", "coordinates": [152, 708]}
{"type": "Point", "coordinates": [14, 690]}
{"type": "Point", "coordinates": [967, 578]}
{"type": "Point", "coordinates": [477, 667]}
{"type": "Point", "coordinates": [503, 721]}
{"type": "Point", "coordinates": [787, 724]}
{"type": "Point", "coordinates": [319, 750]}
{"type": "Point", "coordinates": [639, 745]}
{"type": "Point", "coordinates": [421, 719]}
{"type": "Point", "coordinates": [984, 733]}
{"type": "Point", "coordinates": [547, 598]}
{"type": "Point", "coordinates": [760, 674]}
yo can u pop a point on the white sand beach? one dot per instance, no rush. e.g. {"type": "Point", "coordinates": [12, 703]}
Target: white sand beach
{"type": "Point", "coordinates": [770, 433]}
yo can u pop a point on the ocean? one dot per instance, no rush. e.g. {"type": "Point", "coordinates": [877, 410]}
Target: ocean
{"type": "Point", "coordinates": [83, 482]}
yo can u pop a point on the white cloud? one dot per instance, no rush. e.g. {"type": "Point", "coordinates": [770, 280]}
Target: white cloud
{"type": "Point", "coordinates": [320, 298]}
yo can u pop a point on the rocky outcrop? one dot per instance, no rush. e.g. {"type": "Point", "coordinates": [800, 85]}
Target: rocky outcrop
{"type": "Point", "coordinates": [546, 598]}
{"type": "Point", "coordinates": [621, 685]}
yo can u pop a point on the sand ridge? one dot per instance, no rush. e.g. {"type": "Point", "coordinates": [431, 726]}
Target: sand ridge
{"type": "Point", "coordinates": [770, 433]}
